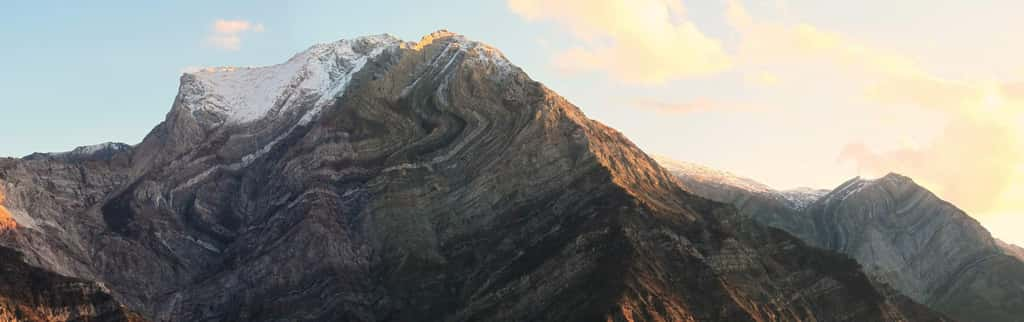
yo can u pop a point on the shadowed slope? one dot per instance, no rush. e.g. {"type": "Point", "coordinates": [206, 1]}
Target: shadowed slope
{"type": "Point", "coordinates": [32, 294]}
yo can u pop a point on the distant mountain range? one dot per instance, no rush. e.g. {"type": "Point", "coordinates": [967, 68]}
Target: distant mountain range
{"type": "Point", "coordinates": [374, 179]}
{"type": "Point", "coordinates": [902, 234]}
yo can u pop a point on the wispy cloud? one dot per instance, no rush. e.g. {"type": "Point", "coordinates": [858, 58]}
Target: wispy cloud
{"type": "Point", "coordinates": [695, 106]}
{"type": "Point", "coordinates": [637, 41]}
{"type": "Point", "coordinates": [976, 162]}
{"type": "Point", "coordinates": [227, 34]}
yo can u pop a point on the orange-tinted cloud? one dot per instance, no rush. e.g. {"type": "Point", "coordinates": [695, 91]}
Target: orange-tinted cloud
{"type": "Point", "coordinates": [695, 106]}
{"type": "Point", "coordinates": [635, 41]}
{"type": "Point", "coordinates": [977, 161]}
{"type": "Point", "coordinates": [972, 164]}
{"type": "Point", "coordinates": [227, 34]}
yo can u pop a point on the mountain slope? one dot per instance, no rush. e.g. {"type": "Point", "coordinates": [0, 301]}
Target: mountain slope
{"type": "Point", "coordinates": [31, 294]}
{"type": "Point", "coordinates": [904, 236]}
{"type": "Point", "coordinates": [376, 179]}
{"type": "Point", "coordinates": [1011, 249]}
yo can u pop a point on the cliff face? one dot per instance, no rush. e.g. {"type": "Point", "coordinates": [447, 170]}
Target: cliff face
{"type": "Point", "coordinates": [386, 180]}
{"type": "Point", "coordinates": [903, 235]}
{"type": "Point", "coordinates": [31, 294]}
{"type": "Point", "coordinates": [922, 245]}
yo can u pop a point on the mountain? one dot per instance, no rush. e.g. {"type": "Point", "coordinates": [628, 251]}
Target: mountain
{"type": "Point", "coordinates": [1011, 249]}
{"type": "Point", "coordinates": [92, 152]}
{"type": "Point", "coordinates": [376, 179]}
{"type": "Point", "coordinates": [32, 294]}
{"type": "Point", "coordinates": [901, 233]}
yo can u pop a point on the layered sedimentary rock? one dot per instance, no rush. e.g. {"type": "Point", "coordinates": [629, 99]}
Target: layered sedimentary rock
{"type": "Point", "coordinates": [376, 179]}
{"type": "Point", "coordinates": [6, 221]}
{"type": "Point", "coordinates": [900, 232]}
{"type": "Point", "coordinates": [32, 294]}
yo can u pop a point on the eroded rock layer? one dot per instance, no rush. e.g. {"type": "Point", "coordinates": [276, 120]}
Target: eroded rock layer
{"type": "Point", "coordinates": [901, 233]}
{"type": "Point", "coordinates": [32, 294]}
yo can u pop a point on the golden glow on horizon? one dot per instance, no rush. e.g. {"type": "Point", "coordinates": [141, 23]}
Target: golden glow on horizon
{"type": "Point", "coordinates": [976, 161]}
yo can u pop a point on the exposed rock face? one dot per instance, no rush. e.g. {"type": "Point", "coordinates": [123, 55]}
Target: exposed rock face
{"type": "Point", "coordinates": [1011, 249]}
{"type": "Point", "coordinates": [902, 234]}
{"type": "Point", "coordinates": [103, 151]}
{"type": "Point", "coordinates": [31, 294]}
{"type": "Point", "coordinates": [6, 221]}
{"type": "Point", "coordinates": [375, 179]}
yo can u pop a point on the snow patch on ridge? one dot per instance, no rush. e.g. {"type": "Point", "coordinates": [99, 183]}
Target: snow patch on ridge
{"type": "Point", "coordinates": [335, 91]}
{"type": "Point", "coordinates": [90, 149]}
{"type": "Point", "coordinates": [96, 150]}
{"type": "Point", "coordinates": [706, 174]}
{"type": "Point", "coordinates": [799, 198]}
{"type": "Point", "coordinates": [246, 94]}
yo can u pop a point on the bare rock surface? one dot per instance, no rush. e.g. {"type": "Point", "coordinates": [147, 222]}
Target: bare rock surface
{"type": "Point", "coordinates": [32, 294]}
{"type": "Point", "coordinates": [374, 179]}
{"type": "Point", "coordinates": [903, 235]}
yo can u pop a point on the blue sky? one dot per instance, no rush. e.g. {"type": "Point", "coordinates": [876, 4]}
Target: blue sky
{"type": "Point", "coordinates": [77, 73]}
{"type": "Point", "coordinates": [788, 92]}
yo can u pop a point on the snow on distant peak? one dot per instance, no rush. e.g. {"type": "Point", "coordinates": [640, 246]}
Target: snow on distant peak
{"type": "Point", "coordinates": [708, 175]}
{"type": "Point", "coordinates": [246, 94]}
{"type": "Point", "coordinates": [102, 151]}
{"type": "Point", "coordinates": [92, 149]}
{"type": "Point", "coordinates": [799, 198]}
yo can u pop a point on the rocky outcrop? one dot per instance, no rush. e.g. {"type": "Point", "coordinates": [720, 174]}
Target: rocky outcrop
{"type": "Point", "coordinates": [1011, 249]}
{"type": "Point", "coordinates": [375, 179]}
{"type": "Point", "coordinates": [31, 294]}
{"type": "Point", "coordinates": [103, 151]}
{"type": "Point", "coordinates": [6, 221]}
{"type": "Point", "coordinates": [902, 234]}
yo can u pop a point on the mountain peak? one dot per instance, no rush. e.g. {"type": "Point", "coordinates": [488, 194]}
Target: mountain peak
{"type": "Point", "coordinates": [896, 178]}
{"type": "Point", "coordinates": [706, 174]}
{"type": "Point", "coordinates": [434, 180]}
{"type": "Point", "coordinates": [439, 34]}
{"type": "Point", "coordinates": [247, 94]}
{"type": "Point", "coordinates": [239, 95]}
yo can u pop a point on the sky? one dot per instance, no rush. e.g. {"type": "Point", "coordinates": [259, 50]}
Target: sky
{"type": "Point", "coordinates": [792, 93]}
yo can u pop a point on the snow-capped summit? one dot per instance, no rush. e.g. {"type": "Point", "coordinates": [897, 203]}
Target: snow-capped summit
{"type": "Point", "coordinates": [699, 177]}
{"type": "Point", "coordinates": [238, 95]}
{"type": "Point", "coordinates": [246, 94]}
{"type": "Point", "coordinates": [707, 174]}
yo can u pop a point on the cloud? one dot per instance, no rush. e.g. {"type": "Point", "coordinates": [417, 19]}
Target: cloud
{"type": "Point", "coordinates": [696, 106]}
{"type": "Point", "coordinates": [976, 162]}
{"type": "Point", "coordinates": [227, 34]}
{"type": "Point", "coordinates": [764, 79]}
{"type": "Point", "coordinates": [775, 44]}
{"type": "Point", "coordinates": [635, 41]}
